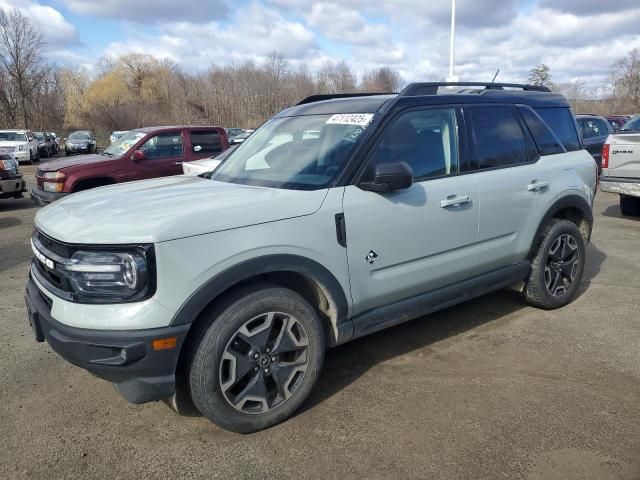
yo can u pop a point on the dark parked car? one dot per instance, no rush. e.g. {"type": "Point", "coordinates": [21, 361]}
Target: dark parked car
{"type": "Point", "coordinates": [595, 131]}
{"type": "Point", "coordinates": [12, 185]}
{"type": "Point", "coordinates": [140, 154]}
{"type": "Point", "coordinates": [617, 121]}
{"type": "Point", "coordinates": [44, 144]}
{"type": "Point", "coordinates": [82, 141]}
{"type": "Point", "coordinates": [55, 146]}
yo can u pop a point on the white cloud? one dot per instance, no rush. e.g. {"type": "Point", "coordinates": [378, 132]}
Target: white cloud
{"type": "Point", "coordinates": [411, 36]}
{"type": "Point", "coordinates": [151, 11]}
{"type": "Point", "coordinates": [57, 31]}
{"type": "Point", "coordinates": [345, 24]}
{"type": "Point", "coordinates": [260, 32]}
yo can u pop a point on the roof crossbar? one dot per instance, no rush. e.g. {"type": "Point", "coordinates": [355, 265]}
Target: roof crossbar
{"type": "Point", "coordinates": [431, 88]}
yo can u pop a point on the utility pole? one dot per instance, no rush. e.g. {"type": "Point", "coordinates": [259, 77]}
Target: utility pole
{"type": "Point", "coordinates": [452, 77]}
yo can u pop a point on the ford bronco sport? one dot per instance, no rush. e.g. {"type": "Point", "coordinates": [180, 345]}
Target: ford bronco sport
{"type": "Point", "coordinates": [225, 289]}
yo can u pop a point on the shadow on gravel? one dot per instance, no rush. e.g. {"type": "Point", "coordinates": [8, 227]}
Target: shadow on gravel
{"type": "Point", "coordinates": [8, 222]}
{"type": "Point", "coordinates": [613, 211]}
{"type": "Point", "coordinates": [10, 204]}
{"type": "Point", "coordinates": [346, 363]}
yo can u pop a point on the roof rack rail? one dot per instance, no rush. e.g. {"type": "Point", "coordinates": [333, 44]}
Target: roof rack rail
{"type": "Point", "coordinates": [329, 96]}
{"type": "Point", "coordinates": [431, 88]}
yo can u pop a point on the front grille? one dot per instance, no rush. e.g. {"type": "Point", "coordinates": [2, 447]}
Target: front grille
{"type": "Point", "coordinates": [50, 248]}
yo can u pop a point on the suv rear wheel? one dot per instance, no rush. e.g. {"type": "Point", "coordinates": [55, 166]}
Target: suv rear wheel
{"type": "Point", "coordinates": [557, 267]}
{"type": "Point", "coordinates": [629, 206]}
{"type": "Point", "coordinates": [257, 360]}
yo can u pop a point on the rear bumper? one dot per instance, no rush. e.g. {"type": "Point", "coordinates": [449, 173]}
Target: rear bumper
{"type": "Point", "coordinates": [40, 197]}
{"type": "Point", "coordinates": [124, 357]}
{"type": "Point", "coordinates": [12, 187]}
{"type": "Point", "coordinates": [622, 186]}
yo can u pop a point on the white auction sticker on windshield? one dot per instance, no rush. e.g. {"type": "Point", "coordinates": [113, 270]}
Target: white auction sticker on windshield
{"type": "Point", "coordinates": [360, 119]}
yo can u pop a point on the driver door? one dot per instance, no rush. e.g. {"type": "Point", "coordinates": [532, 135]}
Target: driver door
{"type": "Point", "coordinates": [163, 156]}
{"type": "Point", "coordinates": [403, 243]}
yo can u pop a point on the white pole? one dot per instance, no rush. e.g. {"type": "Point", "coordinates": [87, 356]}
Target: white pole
{"type": "Point", "coordinates": [452, 78]}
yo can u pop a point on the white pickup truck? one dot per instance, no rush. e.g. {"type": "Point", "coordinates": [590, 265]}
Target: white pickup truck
{"type": "Point", "coordinates": [621, 167]}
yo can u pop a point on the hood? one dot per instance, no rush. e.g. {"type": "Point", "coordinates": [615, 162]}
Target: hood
{"type": "Point", "coordinates": [7, 143]}
{"type": "Point", "coordinates": [167, 208]}
{"type": "Point", "coordinates": [54, 165]}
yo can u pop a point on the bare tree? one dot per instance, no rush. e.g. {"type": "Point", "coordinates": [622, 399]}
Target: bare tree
{"type": "Point", "coordinates": [625, 79]}
{"type": "Point", "coordinates": [383, 80]}
{"type": "Point", "coordinates": [20, 57]}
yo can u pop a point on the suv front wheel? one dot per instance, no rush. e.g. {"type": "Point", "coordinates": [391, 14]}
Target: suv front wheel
{"type": "Point", "coordinates": [557, 267]}
{"type": "Point", "coordinates": [257, 360]}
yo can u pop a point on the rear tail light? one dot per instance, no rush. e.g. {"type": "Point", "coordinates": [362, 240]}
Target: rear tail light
{"type": "Point", "coordinates": [605, 155]}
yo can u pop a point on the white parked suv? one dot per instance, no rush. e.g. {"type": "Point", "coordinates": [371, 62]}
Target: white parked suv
{"type": "Point", "coordinates": [22, 144]}
{"type": "Point", "coordinates": [225, 290]}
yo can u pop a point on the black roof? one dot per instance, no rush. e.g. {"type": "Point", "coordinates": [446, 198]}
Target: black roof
{"type": "Point", "coordinates": [431, 93]}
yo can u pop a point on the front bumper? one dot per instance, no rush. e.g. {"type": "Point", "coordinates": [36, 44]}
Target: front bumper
{"type": "Point", "coordinates": [40, 197]}
{"type": "Point", "coordinates": [12, 187]}
{"type": "Point", "coordinates": [78, 148]}
{"type": "Point", "coordinates": [21, 156]}
{"type": "Point", "coordinates": [622, 186]}
{"type": "Point", "coordinates": [124, 357]}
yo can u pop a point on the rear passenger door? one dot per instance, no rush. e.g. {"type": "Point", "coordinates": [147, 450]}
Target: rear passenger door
{"type": "Point", "coordinates": [407, 242]}
{"type": "Point", "coordinates": [509, 181]}
{"type": "Point", "coordinates": [205, 143]}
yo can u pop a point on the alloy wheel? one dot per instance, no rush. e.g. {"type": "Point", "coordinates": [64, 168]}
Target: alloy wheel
{"type": "Point", "coordinates": [561, 265]}
{"type": "Point", "coordinates": [264, 362]}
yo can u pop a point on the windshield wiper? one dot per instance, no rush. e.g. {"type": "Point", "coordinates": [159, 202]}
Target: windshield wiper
{"type": "Point", "coordinates": [104, 152]}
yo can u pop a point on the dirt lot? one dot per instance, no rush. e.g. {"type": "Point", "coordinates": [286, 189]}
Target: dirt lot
{"type": "Point", "coordinates": [489, 389]}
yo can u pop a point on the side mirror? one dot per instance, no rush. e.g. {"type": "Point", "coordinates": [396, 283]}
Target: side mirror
{"type": "Point", "coordinates": [138, 155]}
{"type": "Point", "coordinates": [390, 176]}
{"type": "Point", "coordinates": [197, 148]}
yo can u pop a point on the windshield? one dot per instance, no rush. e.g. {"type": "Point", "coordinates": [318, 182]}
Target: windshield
{"type": "Point", "coordinates": [80, 136]}
{"type": "Point", "coordinates": [124, 143]}
{"type": "Point", "coordinates": [633, 124]}
{"type": "Point", "coordinates": [301, 153]}
{"type": "Point", "coordinates": [39, 136]}
{"type": "Point", "coordinates": [12, 137]}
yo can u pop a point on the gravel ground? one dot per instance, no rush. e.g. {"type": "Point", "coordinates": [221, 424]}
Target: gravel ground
{"type": "Point", "coordinates": [488, 389]}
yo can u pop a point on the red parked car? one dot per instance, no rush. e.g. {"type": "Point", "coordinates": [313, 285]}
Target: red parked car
{"type": "Point", "coordinates": [138, 155]}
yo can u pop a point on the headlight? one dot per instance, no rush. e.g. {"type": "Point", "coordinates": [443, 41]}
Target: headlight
{"type": "Point", "coordinates": [122, 275]}
{"type": "Point", "coordinates": [87, 274]}
{"type": "Point", "coordinates": [52, 187]}
{"type": "Point", "coordinates": [54, 176]}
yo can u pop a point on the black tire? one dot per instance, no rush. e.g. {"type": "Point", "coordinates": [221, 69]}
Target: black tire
{"type": "Point", "coordinates": [223, 351]}
{"type": "Point", "coordinates": [67, 153]}
{"type": "Point", "coordinates": [30, 157]}
{"type": "Point", "coordinates": [549, 266]}
{"type": "Point", "coordinates": [629, 206]}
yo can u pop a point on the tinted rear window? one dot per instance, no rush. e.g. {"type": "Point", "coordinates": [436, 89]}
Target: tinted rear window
{"type": "Point", "coordinates": [206, 142]}
{"type": "Point", "coordinates": [499, 139]}
{"type": "Point", "coordinates": [561, 122]}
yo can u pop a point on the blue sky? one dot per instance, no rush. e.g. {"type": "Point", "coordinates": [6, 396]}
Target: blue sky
{"type": "Point", "coordinates": [578, 39]}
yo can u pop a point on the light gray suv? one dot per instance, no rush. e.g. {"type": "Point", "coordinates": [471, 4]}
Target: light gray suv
{"type": "Point", "coordinates": [226, 289]}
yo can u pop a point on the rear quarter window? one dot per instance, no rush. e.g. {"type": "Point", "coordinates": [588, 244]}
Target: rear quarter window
{"type": "Point", "coordinates": [560, 120]}
{"type": "Point", "coordinates": [547, 141]}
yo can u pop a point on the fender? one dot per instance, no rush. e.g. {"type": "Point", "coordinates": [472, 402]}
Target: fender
{"type": "Point", "coordinates": [573, 201]}
{"type": "Point", "coordinates": [208, 292]}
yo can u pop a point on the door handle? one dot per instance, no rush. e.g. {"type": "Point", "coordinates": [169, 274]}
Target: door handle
{"type": "Point", "coordinates": [536, 186]}
{"type": "Point", "coordinates": [454, 200]}
{"type": "Point", "coordinates": [177, 163]}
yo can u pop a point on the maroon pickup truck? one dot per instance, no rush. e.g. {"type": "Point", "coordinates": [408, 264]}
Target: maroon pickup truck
{"type": "Point", "coordinates": [140, 154]}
